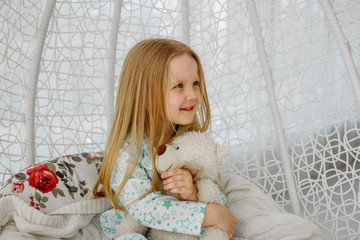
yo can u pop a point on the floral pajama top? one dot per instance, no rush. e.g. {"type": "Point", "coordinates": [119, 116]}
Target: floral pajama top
{"type": "Point", "coordinates": [154, 210]}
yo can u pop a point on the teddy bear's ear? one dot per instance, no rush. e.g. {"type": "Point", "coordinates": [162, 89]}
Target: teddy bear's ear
{"type": "Point", "coordinates": [160, 150]}
{"type": "Point", "coordinates": [221, 152]}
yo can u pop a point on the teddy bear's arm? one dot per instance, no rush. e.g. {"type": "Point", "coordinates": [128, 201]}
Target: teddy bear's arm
{"type": "Point", "coordinates": [208, 191]}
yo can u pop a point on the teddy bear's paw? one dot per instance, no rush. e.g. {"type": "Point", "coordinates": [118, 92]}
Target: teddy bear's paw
{"type": "Point", "coordinates": [133, 236]}
{"type": "Point", "coordinates": [130, 225]}
{"type": "Point", "coordinates": [213, 233]}
{"type": "Point", "coordinates": [157, 234]}
{"type": "Point", "coordinates": [208, 191]}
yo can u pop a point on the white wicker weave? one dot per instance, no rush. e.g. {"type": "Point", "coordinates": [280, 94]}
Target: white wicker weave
{"type": "Point", "coordinates": [282, 76]}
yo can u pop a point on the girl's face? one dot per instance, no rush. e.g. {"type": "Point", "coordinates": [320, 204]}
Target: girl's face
{"type": "Point", "coordinates": [184, 96]}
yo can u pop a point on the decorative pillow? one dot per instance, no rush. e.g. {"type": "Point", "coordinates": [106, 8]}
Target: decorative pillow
{"type": "Point", "coordinates": [49, 185]}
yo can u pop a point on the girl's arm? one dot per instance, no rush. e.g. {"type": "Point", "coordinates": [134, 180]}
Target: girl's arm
{"type": "Point", "coordinates": [219, 216]}
{"type": "Point", "coordinates": [155, 210]}
{"type": "Point", "coordinates": [180, 181]}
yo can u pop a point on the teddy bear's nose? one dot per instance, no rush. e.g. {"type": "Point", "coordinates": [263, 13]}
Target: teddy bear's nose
{"type": "Point", "coordinates": [160, 150]}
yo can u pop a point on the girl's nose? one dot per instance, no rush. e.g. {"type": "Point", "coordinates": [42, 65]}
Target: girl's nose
{"type": "Point", "coordinates": [190, 94]}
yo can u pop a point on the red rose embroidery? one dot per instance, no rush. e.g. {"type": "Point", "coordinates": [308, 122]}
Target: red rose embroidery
{"type": "Point", "coordinates": [17, 188]}
{"type": "Point", "coordinates": [35, 205]}
{"type": "Point", "coordinates": [42, 178]}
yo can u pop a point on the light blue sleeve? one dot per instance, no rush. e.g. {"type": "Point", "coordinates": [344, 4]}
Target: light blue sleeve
{"type": "Point", "coordinates": [155, 210]}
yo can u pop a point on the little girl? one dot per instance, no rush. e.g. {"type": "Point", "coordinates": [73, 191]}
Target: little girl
{"type": "Point", "coordinates": [161, 94]}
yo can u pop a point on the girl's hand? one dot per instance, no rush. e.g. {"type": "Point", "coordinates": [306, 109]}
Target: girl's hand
{"type": "Point", "coordinates": [180, 181]}
{"type": "Point", "coordinates": [219, 216]}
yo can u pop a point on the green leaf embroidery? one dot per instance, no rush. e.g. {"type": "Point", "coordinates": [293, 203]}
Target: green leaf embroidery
{"type": "Point", "coordinates": [20, 176]}
{"type": "Point", "coordinates": [54, 160]}
{"type": "Point", "coordinates": [57, 191]}
{"type": "Point", "coordinates": [71, 171]}
{"type": "Point", "coordinates": [51, 166]}
{"type": "Point", "coordinates": [89, 161]}
{"type": "Point", "coordinates": [61, 165]}
{"type": "Point", "coordinates": [64, 173]}
{"type": "Point", "coordinates": [73, 189]}
{"type": "Point", "coordinates": [59, 174]}
{"type": "Point", "coordinates": [71, 194]}
{"type": "Point", "coordinates": [54, 192]}
{"type": "Point", "coordinates": [44, 199]}
{"type": "Point", "coordinates": [76, 159]}
{"type": "Point", "coordinates": [41, 205]}
{"type": "Point", "coordinates": [60, 192]}
{"type": "Point", "coordinates": [37, 196]}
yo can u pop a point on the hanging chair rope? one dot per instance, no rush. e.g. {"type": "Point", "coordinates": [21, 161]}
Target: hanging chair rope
{"type": "Point", "coordinates": [274, 108]}
{"type": "Point", "coordinates": [33, 81]}
{"type": "Point", "coordinates": [185, 21]}
{"type": "Point", "coordinates": [110, 84]}
{"type": "Point", "coordinates": [344, 47]}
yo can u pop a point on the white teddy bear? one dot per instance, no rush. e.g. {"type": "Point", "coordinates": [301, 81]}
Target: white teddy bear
{"type": "Point", "coordinates": [198, 153]}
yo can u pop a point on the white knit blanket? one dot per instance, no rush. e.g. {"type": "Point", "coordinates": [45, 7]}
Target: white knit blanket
{"type": "Point", "coordinates": [73, 221]}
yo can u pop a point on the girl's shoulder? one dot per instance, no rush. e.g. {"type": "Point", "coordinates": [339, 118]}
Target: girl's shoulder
{"type": "Point", "coordinates": [145, 144]}
{"type": "Point", "coordinates": [145, 153]}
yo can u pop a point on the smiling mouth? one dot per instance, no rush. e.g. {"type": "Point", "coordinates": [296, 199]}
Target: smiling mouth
{"type": "Point", "coordinates": [187, 108]}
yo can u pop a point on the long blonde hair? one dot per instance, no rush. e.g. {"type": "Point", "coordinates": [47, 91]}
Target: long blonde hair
{"type": "Point", "coordinates": [141, 105]}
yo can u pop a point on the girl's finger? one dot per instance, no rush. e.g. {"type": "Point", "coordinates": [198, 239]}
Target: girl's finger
{"type": "Point", "coordinates": [170, 173]}
{"type": "Point", "coordinates": [179, 190]}
{"type": "Point", "coordinates": [179, 177]}
{"type": "Point", "coordinates": [173, 185]}
{"type": "Point", "coordinates": [174, 172]}
{"type": "Point", "coordinates": [185, 185]}
{"type": "Point", "coordinates": [175, 178]}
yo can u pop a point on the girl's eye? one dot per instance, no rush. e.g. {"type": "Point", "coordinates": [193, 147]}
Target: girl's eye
{"type": "Point", "coordinates": [196, 83]}
{"type": "Point", "coordinates": [180, 85]}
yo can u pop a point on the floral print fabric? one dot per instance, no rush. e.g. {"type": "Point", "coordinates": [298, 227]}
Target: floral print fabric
{"type": "Point", "coordinates": [49, 185]}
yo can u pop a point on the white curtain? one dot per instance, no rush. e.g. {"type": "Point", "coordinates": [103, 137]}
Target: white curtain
{"type": "Point", "coordinates": [282, 76]}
